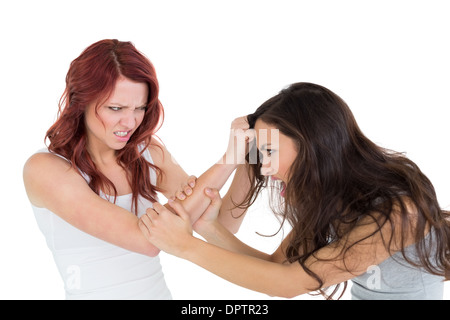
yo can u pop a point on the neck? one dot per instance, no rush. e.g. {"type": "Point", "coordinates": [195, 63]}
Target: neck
{"type": "Point", "coordinates": [101, 156]}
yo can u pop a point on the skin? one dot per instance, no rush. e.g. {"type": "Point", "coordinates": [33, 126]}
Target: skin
{"type": "Point", "coordinates": [52, 183]}
{"type": "Point", "coordinates": [229, 258]}
{"type": "Point", "coordinates": [279, 151]}
{"type": "Point", "coordinates": [123, 112]}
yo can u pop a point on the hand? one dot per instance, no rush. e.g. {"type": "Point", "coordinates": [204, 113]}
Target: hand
{"type": "Point", "coordinates": [186, 190]}
{"type": "Point", "coordinates": [209, 216]}
{"type": "Point", "coordinates": [168, 231]}
{"type": "Point", "coordinates": [238, 145]}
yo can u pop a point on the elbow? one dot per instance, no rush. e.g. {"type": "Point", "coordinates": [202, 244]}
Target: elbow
{"type": "Point", "coordinates": [289, 295]}
{"type": "Point", "coordinates": [151, 251]}
{"type": "Point", "coordinates": [285, 295]}
{"type": "Point", "coordinates": [288, 291]}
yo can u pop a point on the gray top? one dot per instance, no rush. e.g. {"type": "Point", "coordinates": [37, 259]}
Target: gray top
{"type": "Point", "coordinates": [396, 279]}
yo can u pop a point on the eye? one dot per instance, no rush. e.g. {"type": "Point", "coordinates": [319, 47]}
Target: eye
{"type": "Point", "coordinates": [115, 108]}
{"type": "Point", "coordinates": [142, 108]}
{"type": "Point", "coordinates": [267, 153]}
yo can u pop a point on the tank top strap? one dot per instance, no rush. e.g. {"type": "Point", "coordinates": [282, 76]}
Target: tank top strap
{"type": "Point", "coordinates": [45, 150]}
{"type": "Point", "coordinates": [147, 156]}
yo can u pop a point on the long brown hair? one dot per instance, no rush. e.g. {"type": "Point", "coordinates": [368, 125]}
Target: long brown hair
{"type": "Point", "coordinates": [92, 78]}
{"type": "Point", "coordinates": [340, 176]}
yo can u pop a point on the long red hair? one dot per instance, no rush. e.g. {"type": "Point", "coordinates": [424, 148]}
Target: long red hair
{"type": "Point", "coordinates": [91, 79]}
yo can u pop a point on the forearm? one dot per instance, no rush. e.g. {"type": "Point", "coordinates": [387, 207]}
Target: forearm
{"type": "Point", "coordinates": [230, 215]}
{"type": "Point", "coordinates": [247, 271]}
{"type": "Point", "coordinates": [138, 243]}
{"type": "Point", "coordinates": [215, 178]}
{"type": "Point", "coordinates": [218, 235]}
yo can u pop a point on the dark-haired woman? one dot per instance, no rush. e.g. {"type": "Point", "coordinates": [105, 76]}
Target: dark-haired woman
{"type": "Point", "coordinates": [357, 211]}
{"type": "Point", "coordinates": [102, 170]}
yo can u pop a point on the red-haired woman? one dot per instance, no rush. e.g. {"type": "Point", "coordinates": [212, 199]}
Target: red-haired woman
{"type": "Point", "coordinates": [357, 211]}
{"type": "Point", "coordinates": [102, 170]}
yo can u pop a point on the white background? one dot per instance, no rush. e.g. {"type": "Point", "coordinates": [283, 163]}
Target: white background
{"type": "Point", "coordinates": [217, 60]}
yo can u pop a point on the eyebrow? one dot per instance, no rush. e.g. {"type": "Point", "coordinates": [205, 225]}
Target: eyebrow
{"type": "Point", "coordinates": [122, 106]}
{"type": "Point", "coordinates": [265, 145]}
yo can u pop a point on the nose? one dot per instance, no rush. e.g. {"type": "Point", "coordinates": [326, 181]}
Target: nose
{"type": "Point", "coordinates": [266, 168]}
{"type": "Point", "coordinates": [269, 166]}
{"type": "Point", "coordinates": [128, 119]}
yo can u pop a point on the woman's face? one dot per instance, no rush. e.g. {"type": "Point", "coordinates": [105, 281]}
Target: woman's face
{"type": "Point", "coordinates": [278, 151]}
{"type": "Point", "coordinates": [119, 117]}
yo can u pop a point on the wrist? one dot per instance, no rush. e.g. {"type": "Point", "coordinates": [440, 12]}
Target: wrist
{"type": "Point", "coordinates": [208, 230]}
{"type": "Point", "coordinates": [193, 250]}
{"type": "Point", "coordinates": [228, 162]}
{"type": "Point", "coordinates": [188, 246]}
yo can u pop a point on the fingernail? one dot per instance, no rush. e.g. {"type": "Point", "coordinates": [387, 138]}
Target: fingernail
{"type": "Point", "coordinates": [191, 184]}
{"type": "Point", "coordinates": [208, 190]}
{"type": "Point", "coordinates": [188, 191]}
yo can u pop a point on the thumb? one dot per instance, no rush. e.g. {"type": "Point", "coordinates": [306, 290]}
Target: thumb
{"type": "Point", "coordinates": [214, 195]}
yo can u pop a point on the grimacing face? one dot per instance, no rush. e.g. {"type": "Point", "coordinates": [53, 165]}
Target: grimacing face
{"type": "Point", "coordinates": [119, 117]}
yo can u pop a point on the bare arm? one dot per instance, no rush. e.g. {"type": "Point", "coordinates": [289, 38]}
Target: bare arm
{"type": "Point", "coordinates": [337, 262]}
{"type": "Point", "coordinates": [215, 233]}
{"type": "Point", "coordinates": [52, 183]}
{"type": "Point", "coordinates": [215, 177]}
{"type": "Point", "coordinates": [173, 177]}
{"type": "Point", "coordinates": [230, 216]}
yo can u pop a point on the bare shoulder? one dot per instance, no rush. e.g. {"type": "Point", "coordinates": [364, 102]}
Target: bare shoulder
{"type": "Point", "coordinates": [43, 164]}
{"type": "Point", "coordinates": [41, 160]}
{"type": "Point", "coordinates": [159, 152]}
{"type": "Point", "coordinates": [44, 173]}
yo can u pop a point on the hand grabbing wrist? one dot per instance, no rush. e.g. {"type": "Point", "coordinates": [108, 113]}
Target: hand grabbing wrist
{"type": "Point", "coordinates": [205, 228]}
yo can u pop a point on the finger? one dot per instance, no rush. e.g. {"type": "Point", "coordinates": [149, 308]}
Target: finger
{"type": "Point", "coordinates": [180, 195]}
{"type": "Point", "coordinates": [179, 209]}
{"type": "Point", "coordinates": [191, 181]}
{"type": "Point", "coordinates": [151, 213]}
{"type": "Point", "coordinates": [187, 190]}
{"type": "Point", "coordinates": [240, 122]}
{"type": "Point", "coordinates": [145, 221]}
{"type": "Point", "coordinates": [250, 134]}
{"type": "Point", "coordinates": [144, 224]}
{"type": "Point", "coordinates": [158, 208]}
{"type": "Point", "coordinates": [214, 195]}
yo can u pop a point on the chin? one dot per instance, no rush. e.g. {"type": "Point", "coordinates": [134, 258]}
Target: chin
{"type": "Point", "coordinates": [118, 145]}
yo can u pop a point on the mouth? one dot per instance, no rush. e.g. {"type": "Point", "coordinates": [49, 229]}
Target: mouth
{"type": "Point", "coordinates": [123, 135]}
{"type": "Point", "coordinates": [282, 185]}
{"type": "Point", "coordinates": [283, 189]}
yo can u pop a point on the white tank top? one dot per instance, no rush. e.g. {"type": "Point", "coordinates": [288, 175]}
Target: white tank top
{"type": "Point", "coordinates": [94, 269]}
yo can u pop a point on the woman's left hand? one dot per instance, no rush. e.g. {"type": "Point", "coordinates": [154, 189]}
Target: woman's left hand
{"type": "Point", "coordinates": [168, 231]}
{"type": "Point", "coordinates": [187, 189]}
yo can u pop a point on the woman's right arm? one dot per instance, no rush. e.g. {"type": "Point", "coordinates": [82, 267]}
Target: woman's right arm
{"type": "Point", "coordinates": [52, 183]}
{"type": "Point", "coordinates": [215, 177]}
{"type": "Point", "coordinates": [230, 215]}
